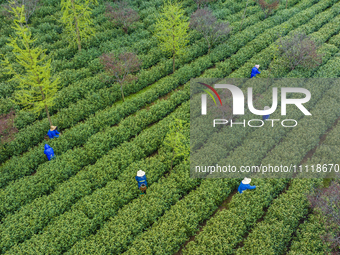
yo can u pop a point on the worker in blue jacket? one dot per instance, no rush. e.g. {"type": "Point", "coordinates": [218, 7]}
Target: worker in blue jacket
{"type": "Point", "coordinates": [53, 132]}
{"type": "Point", "coordinates": [255, 71]}
{"type": "Point", "coordinates": [49, 152]}
{"type": "Point", "coordinates": [141, 179]}
{"type": "Point", "coordinates": [264, 117]}
{"type": "Point", "coordinates": [245, 185]}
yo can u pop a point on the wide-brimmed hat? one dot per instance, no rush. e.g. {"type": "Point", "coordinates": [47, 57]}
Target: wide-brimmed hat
{"type": "Point", "coordinates": [140, 173]}
{"type": "Point", "coordinates": [53, 128]}
{"type": "Point", "coordinates": [266, 107]}
{"type": "Point", "coordinates": [246, 180]}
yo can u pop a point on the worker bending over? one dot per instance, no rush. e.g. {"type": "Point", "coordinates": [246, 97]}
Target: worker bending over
{"type": "Point", "coordinates": [141, 179]}
{"type": "Point", "coordinates": [53, 132]}
{"type": "Point", "coordinates": [245, 185]}
{"type": "Point", "coordinates": [255, 71]}
{"type": "Point", "coordinates": [49, 152]}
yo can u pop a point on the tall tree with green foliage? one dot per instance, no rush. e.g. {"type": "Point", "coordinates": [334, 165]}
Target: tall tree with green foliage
{"type": "Point", "coordinates": [36, 90]}
{"type": "Point", "coordinates": [178, 140]}
{"type": "Point", "coordinates": [171, 30]}
{"type": "Point", "coordinates": [77, 20]}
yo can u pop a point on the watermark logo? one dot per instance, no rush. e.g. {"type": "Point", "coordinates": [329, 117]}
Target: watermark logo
{"type": "Point", "coordinates": [238, 99]}
{"type": "Point", "coordinates": [260, 127]}
{"type": "Point", "coordinates": [209, 93]}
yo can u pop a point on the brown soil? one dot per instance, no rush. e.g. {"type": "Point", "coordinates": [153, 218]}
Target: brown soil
{"type": "Point", "coordinates": [7, 128]}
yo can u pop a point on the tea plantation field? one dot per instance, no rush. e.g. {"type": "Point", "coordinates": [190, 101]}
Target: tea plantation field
{"type": "Point", "coordinates": [86, 200]}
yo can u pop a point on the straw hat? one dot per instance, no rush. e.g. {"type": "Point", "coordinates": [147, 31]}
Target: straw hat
{"type": "Point", "coordinates": [53, 128]}
{"type": "Point", "coordinates": [266, 107]}
{"type": "Point", "coordinates": [140, 173]}
{"type": "Point", "coordinates": [246, 180]}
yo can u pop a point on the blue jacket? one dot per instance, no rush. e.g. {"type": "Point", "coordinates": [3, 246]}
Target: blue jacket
{"type": "Point", "coordinates": [141, 180]}
{"type": "Point", "coordinates": [264, 117]}
{"type": "Point", "coordinates": [244, 187]}
{"type": "Point", "coordinates": [254, 72]}
{"type": "Point", "coordinates": [52, 134]}
{"type": "Point", "coordinates": [48, 152]}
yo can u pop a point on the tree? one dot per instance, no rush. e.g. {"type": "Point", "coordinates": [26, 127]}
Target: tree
{"type": "Point", "coordinates": [266, 7]}
{"type": "Point", "coordinates": [36, 89]}
{"type": "Point", "coordinates": [299, 50]}
{"type": "Point", "coordinates": [77, 20]}
{"type": "Point", "coordinates": [202, 2]}
{"type": "Point", "coordinates": [178, 140]}
{"type": "Point", "coordinates": [122, 15]}
{"type": "Point", "coordinates": [30, 7]}
{"type": "Point", "coordinates": [326, 201]}
{"type": "Point", "coordinates": [172, 30]}
{"type": "Point", "coordinates": [206, 23]}
{"type": "Point", "coordinates": [121, 68]}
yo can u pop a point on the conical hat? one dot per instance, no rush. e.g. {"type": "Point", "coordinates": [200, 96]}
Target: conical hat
{"type": "Point", "coordinates": [266, 108]}
{"type": "Point", "coordinates": [257, 66]}
{"type": "Point", "coordinates": [140, 173]}
{"type": "Point", "coordinates": [246, 180]}
{"type": "Point", "coordinates": [53, 128]}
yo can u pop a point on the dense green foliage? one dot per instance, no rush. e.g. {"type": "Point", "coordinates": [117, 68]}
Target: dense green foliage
{"type": "Point", "coordinates": [307, 240]}
{"type": "Point", "coordinates": [86, 201]}
{"type": "Point", "coordinates": [102, 98]}
{"type": "Point", "coordinates": [117, 160]}
{"type": "Point", "coordinates": [260, 199]}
